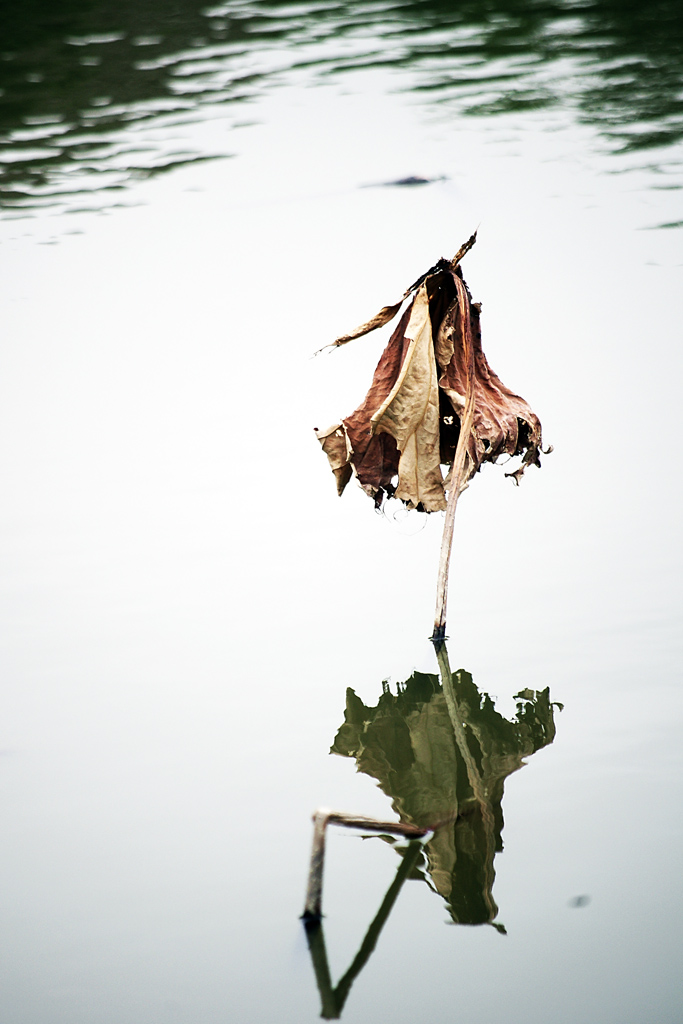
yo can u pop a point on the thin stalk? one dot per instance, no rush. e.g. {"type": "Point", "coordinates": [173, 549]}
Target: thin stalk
{"type": "Point", "coordinates": [333, 999]}
{"type": "Point", "coordinates": [458, 470]}
{"type": "Point", "coordinates": [396, 828]}
{"type": "Point", "coordinates": [408, 862]}
{"type": "Point", "coordinates": [316, 946]}
{"type": "Point", "coordinates": [321, 819]}
{"type": "Point", "coordinates": [314, 890]}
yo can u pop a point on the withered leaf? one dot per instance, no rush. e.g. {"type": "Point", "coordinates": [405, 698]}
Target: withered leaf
{"type": "Point", "coordinates": [385, 314]}
{"type": "Point", "coordinates": [431, 379]}
{"type": "Point", "coordinates": [388, 313]}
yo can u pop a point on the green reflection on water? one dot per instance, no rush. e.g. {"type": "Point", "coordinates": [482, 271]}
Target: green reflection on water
{"type": "Point", "coordinates": [440, 750]}
{"type": "Point", "coordinates": [76, 76]}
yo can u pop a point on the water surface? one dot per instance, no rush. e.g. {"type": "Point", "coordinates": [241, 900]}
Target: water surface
{"type": "Point", "coordinates": [94, 100]}
{"type": "Point", "coordinates": [184, 599]}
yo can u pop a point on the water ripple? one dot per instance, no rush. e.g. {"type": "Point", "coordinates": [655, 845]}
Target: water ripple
{"type": "Point", "coordinates": [77, 88]}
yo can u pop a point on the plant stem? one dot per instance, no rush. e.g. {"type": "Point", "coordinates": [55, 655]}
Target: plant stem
{"type": "Point", "coordinates": [321, 819]}
{"type": "Point", "coordinates": [458, 470]}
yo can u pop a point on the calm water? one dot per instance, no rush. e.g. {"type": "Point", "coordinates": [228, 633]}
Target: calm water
{"type": "Point", "coordinates": [201, 643]}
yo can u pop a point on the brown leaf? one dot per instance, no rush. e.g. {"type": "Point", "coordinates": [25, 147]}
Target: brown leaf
{"type": "Point", "coordinates": [337, 447]}
{"type": "Point", "coordinates": [503, 423]}
{"type": "Point", "coordinates": [409, 423]}
{"type": "Point", "coordinates": [388, 313]}
{"type": "Point", "coordinates": [410, 414]}
{"type": "Point", "coordinates": [385, 314]}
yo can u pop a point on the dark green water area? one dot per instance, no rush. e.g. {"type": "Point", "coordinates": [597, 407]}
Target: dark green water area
{"type": "Point", "coordinates": [81, 81]}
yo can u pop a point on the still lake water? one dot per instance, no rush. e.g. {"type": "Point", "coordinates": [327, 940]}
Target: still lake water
{"type": "Point", "coordinates": [194, 199]}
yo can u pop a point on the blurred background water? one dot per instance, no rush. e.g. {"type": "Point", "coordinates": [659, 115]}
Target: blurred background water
{"type": "Point", "coordinates": [99, 96]}
{"type": "Point", "coordinates": [194, 199]}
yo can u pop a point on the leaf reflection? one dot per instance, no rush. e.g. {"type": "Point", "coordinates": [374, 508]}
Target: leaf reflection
{"type": "Point", "coordinates": [441, 752]}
